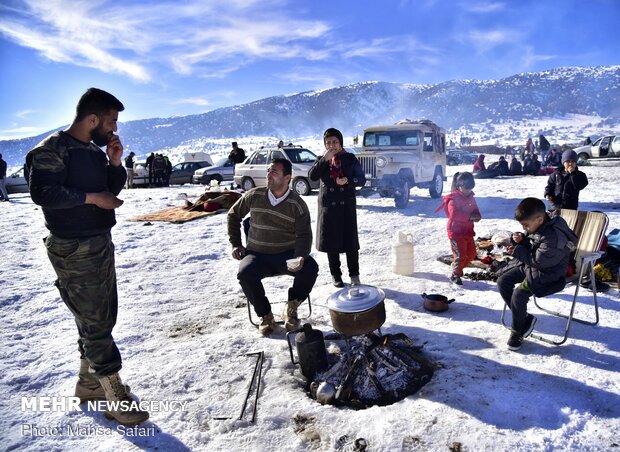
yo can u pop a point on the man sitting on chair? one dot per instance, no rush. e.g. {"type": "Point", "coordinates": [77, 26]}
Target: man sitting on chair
{"type": "Point", "coordinates": [279, 230]}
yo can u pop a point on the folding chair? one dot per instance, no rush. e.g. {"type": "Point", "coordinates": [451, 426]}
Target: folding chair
{"type": "Point", "coordinates": [246, 228]}
{"type": "Point", "coordinates": [590, 229]}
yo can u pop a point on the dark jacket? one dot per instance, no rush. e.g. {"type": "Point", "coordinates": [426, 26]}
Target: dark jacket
{"type": "Point", "coordinates": [544, 256]}
{"type": "Point", "coordinates": [564, 187]}
{"type": "Point", "coordinates": [531, 166]}
{"type": "Point", "coordinates": [337, 216]}
{"type": "Point", "coordinates": [515, 167]}
{"type": "Point", "coordinates": [62, 170]}
{"type": "Point", "coordinates": [237, 155]}
{"type": "Point", "coordinates": [2, 169]}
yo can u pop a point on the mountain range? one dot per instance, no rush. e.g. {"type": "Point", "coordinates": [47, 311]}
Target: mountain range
{"type": "Point", "coordinates": [555, 93]}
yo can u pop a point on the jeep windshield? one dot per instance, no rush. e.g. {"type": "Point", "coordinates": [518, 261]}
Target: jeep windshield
{"type": "Point", "coordinates": [392, 138]}
{"type": "Point", "coordinates": [300, 155]}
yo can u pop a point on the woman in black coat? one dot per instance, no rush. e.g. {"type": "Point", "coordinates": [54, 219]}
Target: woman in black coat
{"type": "Point", "coordinates": [339, 172]}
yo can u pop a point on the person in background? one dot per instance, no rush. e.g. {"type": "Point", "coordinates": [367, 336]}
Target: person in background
{"type": "Point", "coordinates": [531, 165]}
{"type": "Point", "coordinates": [564, 185]}
{"type": "Point", "coordinates": [529, 147]}
{"type": "Point", "coordinates": [554, 158]}
{"type": "Point", "coordinates": [339, 172]}
{"type": "Point", "coordinates": [279, 230]}
{"type": "Point", "coordinates": [149, 167]}
{"type": "Point", "coordinates": [167, 171]}
{"type": "Point", "coordinates": [479, 164]}
{"type": "Point", "coordinates": [77, 185]}
{"type": "Point", "coordinates": [544, 148]}
{"type": "Point", "coordinates": [3, 192]}
{"type": "Point", "coordinates": [129, 163]}
{"type": "Point", "coordinates": [462, 211]}
{"type": "Point", "coordinates": [515, 167]}
{"type": "Point", "coordinates": [237, 154]}
{"type": "Point", "coordinates": [539, 264]}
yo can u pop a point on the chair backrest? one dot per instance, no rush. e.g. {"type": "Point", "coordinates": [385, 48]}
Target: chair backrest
{"type": "Point", "coordinates": [589, 227]}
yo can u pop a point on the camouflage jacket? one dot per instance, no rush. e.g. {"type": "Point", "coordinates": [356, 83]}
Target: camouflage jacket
{"type": "Point", "coordinates": [62, 170]}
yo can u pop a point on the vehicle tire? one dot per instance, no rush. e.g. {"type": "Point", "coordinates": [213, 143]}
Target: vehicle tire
{"type": "Point", "coordinates": [247, 183]}
{"type": "Point", "coordinates": [437, 185]}
{"type": "Point", "coordinates": [218, 178]}
{"type": "Point", "coordinates": [583, 156]}
{"type": "Point", "coordinates": [301, 186]}
{"type": "Point", "coordinates": [451, 162]}
{"type": "Point", "coordinates": [206, 180]}
{"type": "Point", "coordinates": [401, 201]}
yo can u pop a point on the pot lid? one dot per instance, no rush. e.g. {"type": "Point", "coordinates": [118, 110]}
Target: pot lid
{"type": "Point", "coordinates": [355, 299]}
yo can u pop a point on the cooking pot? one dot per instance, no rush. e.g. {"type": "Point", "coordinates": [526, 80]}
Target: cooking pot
{"type": "Point", "coordinates": [357, 310]}
{"type": "Point", "coordinates": [436, 303]}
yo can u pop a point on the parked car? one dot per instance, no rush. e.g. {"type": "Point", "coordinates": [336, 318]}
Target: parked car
{"type": "Point", "coordinates": [460, 157]}
{"type": "Point", "coordinates": [607, 146]}
{"type": "Point", "coordinates": [16, 182]}
{"type": "Point", "coordinates": [223, 170]}
{"type": "Point", "coordinates": [253, 171]}
{"type": "Point", "coordinates": [182, 173]}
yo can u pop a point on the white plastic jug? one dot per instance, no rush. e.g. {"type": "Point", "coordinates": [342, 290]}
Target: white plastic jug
{"type": "Point", "coordinates": [402, 254]}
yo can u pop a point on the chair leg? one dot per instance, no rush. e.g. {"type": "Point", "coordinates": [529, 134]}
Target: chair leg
{"type": "Point", "coordinates": [279, 322]}
{"type": "Point", "coordinates": [504, 317]}
{"type": "Point", "coordinates": [569, 318]}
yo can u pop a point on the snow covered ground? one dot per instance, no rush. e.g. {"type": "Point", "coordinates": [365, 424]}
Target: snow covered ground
{"type": "Point", "coordinates": [183, 333]}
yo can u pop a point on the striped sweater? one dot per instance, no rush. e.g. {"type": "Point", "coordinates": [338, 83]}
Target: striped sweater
{"type": "Point", "coordinates": [272, 229]}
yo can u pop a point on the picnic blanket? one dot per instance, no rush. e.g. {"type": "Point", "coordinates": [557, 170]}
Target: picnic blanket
{"type": "Point", "coordinates": [210, 203]}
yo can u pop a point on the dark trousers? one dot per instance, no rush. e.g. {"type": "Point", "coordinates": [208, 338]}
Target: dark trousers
{"type": "Point", "coordinates": [353, 262]}
{"type": "Point", "coordinates": [256, 266]}
{"type": "Point", "coordinates": [515, 298]}
{"type": "Point", "coordinates": [87, 285]}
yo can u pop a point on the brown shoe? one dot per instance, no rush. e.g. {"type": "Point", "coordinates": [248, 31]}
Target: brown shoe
{"type": "Point", "coordinates": [289, 315]}
{"type": "Point", "coordinates": [267, 325]}
{"type": "Point", "coordinates": [116, 392]}
{"type": "Point", "coordinates": [88, 387]}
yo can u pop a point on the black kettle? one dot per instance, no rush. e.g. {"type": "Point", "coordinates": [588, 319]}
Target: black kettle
{"type": "Point", "coordinates": [311, 351]}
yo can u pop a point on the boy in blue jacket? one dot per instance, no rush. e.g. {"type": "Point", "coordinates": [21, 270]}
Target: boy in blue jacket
{"type": "Point", "coordinates": [539, 264]}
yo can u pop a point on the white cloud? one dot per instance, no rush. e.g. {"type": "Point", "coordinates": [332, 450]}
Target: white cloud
{"type": "Point", "coordinates": [199, 101]}
{"type": "Point", "coordinates": [483, 7]}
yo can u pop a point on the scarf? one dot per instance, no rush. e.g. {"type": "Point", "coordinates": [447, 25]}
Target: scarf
{"type": "Point", "coordinates": [335, 166]}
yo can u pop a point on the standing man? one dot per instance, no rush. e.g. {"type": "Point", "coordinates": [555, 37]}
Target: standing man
{"type": "Point", "coordinates": [129, 162]}
{"type": "Point", "coordinates": [237, 154]}
{"type": "Point", "coordinates": [5, 194]}
{"type": "Point", "coordinates": [77, 185]}
{"type": "Point", "coordinates": [149, 166]}
{"type": "Point", "coordinates": [279, 230]}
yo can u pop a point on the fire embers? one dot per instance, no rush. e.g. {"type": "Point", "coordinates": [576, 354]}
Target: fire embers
{"type": "Point", "coordinates": [372, 370]}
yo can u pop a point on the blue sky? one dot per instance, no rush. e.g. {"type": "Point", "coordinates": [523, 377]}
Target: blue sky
{"type": "Point", "coordinates": [180, 57]}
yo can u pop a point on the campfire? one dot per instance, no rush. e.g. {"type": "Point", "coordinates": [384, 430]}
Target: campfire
{"type": "Point", "coordinates": [371, 370]}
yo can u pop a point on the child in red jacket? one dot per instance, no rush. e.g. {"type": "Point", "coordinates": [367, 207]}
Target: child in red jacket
{"type": "Point", "coordinates": [462, 211]}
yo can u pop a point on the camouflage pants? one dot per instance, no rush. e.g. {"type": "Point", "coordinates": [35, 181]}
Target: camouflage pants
{"type": "Point", "coordinates": [87, 285]}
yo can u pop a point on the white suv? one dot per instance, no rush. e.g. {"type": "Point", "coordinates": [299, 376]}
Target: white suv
{"type": "Point", "coordinates": [253, 171]}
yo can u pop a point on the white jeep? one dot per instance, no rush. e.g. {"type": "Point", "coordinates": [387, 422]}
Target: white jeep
{"type": "Point", "coordinates": [408, 154]}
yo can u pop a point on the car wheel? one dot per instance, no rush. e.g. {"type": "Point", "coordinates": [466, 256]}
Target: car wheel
{"type": "Point", "coordinates": [247, 184]}
{"type": "Point", "coordinates": [301, 186]}
{"type": "Point", "coordinates": [402, 199]}
{"type": "Point", "coordinates": [451, 162]}
{"type": "Point", "coordinates": [218, 178]}
{"type": "Point", "coordinates": [206, 180]}
{"type": "Point", "coordinates": [437, 186]}
{"type": "Point", "coordinates": [583, 156]}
